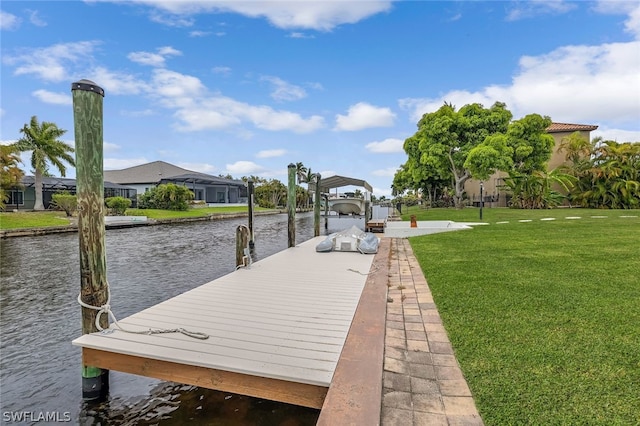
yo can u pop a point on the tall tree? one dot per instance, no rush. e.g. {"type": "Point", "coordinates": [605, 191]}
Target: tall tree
{"type": "Point", "coordinates": [42, 140]}
{"type": "Point", "coordinates": [524, 148]}
{"type": "Point", "coordinates": [11, 174]}
{"type": "Point", "coordinates": [301, 171]}
{"type": "Point", "coordinates": [270, 194]}
{"type": "Point", "coordinates": [445, 138]}
{"type": "Point", "coordinates": [532, 145]}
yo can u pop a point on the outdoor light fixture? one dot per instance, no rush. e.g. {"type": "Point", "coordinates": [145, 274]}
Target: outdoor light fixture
{"type": "Point", "coordinates": [481, 199]}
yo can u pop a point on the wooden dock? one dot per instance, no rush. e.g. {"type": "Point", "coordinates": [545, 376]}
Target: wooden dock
{"type": "Point", "coordinates": [277, 329]}
{"type": "Point", "coordinates": [376, 225]}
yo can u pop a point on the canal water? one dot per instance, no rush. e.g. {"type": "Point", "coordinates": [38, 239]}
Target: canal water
{"type": "Point", "coordinates": [39, 317]}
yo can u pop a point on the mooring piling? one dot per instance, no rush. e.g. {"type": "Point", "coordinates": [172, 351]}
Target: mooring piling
{"type": "Point", "coordinates": [291, 205]}
{"type": "Point", "coordinates": [243, 252]}
{"type": "Point", "coordinates": [94, 289]}
{"type": "Point", "coordinates": [326, 212]}
{"type": "Point", "coordinates": [316, 207]}
{"type": "Point", "coordinates": [252, 243]}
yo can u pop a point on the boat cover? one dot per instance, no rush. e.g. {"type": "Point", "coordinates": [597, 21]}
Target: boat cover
{"type": "Point", "coordinates": [352, 239]}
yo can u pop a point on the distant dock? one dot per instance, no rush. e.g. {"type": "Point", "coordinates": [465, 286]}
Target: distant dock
{"type": "Point", "coordinates": [277, 329]}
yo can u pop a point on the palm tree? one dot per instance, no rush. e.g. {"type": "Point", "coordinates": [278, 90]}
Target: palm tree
{"type": "Point", "coordinates": [42, 140]}
{"type": "Point", "coordinates": [300, 171]}
{"type": "Point", "coordinates": [11, 174]}
{"type": "Point", "coordinates": [577, 148]}
{"type": "Point", "coordinates": [310, 179]}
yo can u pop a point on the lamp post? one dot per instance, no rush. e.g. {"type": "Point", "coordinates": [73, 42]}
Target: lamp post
{"type": "Point", "coordinates": [481, 199]}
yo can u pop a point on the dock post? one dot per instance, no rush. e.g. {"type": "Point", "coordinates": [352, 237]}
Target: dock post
{"type": "Point", "coordinates": [252, 244]}
{"type": "Point", "coordinates": [242, 242]}
{"type": "Point", "coordinates": [316, 207]}
{"type": "Point", "coordinates": [291, 205]}
{"type": "Point", "coordinates": [326, 213]}
{"type": "Point", "coordinates": [367, 209]}
{"type": "Point", "coordinates": [94, 289]}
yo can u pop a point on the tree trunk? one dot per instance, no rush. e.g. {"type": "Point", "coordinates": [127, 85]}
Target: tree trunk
{"type": "Point", "coordinates": [38, 187]}
{"type": "Point", "coordinates": [459, 187]}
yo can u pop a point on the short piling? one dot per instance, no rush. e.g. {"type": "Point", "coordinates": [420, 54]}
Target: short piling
{"type": "Point", "coordinates": [94, 289]}
{"type": "Point", "coordinates": [291, 205]}
{"type": "Point", "coordinates": [242, 244]}
{"type": "Point", "coordinates": [316, 207]}
{"type": "Point", "coordinates": [252, 244]}
{"type": "Point", "coordinates": [326, 212]}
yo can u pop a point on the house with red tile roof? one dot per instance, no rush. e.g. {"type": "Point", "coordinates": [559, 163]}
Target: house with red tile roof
{"type": "Point", "coordinates": [494, 196]}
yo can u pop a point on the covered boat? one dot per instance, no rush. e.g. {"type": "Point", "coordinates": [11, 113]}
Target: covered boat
{"type": "Point", "coordinates": [352, 239]}
{"type": "Point", "coordinates": [347, 205]}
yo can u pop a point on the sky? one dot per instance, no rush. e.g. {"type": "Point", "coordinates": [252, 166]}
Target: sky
{"type": "Point", "coordinates": [246, 88]}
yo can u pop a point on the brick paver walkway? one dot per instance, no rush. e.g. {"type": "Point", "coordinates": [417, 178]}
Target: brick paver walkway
{"type": "Point", "coordinates": [422, 381]}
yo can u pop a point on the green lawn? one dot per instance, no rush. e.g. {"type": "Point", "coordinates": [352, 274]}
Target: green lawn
{"type": "Point", "coordinates": [10, 220]}
{"type": "Point", "coordinates": [32, 219]}
{"type": "Point", "coordinates": [544, 316]}
{"type": "Point", "coordinates": [197, 212]}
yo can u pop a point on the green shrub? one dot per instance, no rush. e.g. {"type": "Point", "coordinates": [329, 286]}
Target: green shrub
{"type": "Point", "coordinates": [65, 201]}
{"type": "Point", "coordinates": [118, 205]}
{"type": "Point", "coordinates": [167, 196]}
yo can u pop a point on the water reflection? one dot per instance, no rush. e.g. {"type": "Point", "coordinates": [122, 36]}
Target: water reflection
{"type": "Point", "coordinates": [39, 317]}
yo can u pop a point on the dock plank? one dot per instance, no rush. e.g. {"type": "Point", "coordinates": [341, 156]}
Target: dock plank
{"type": "Point", "coordinates": [285, 318]}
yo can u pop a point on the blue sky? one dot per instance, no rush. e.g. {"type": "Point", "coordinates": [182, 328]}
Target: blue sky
{"type": "Point", "coordinates": [248, 87]}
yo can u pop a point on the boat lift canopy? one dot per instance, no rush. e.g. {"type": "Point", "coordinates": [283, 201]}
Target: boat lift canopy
{"type": "Point", "coordinates": [338, 181]}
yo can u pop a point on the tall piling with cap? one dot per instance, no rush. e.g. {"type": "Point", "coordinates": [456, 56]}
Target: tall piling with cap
{"type": "Point", "coordinates": [252, 244]}
{"type": "Point", "coordinates": [291, 205]}
{"type": "Point", "coordinates": [94, 289]}
{"type": "Point", "coordinates": [316, 207]}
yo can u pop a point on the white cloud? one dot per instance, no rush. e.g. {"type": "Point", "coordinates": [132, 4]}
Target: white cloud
{"type": "Point", "coordinates": [197, 110]}
{"type": "Point", "coordinates": [616, 134]}
{"type": "Point", "coordinates": [379, 192]}
{"type": "Point", "coordinates": [270, 153]}
{"type": "Point", "coordinates": [300, 35]}
{"type": "Point", "coordinates": [314, 85]}
{"type": "Point", "coordinates": [283, 91]}
{"type": "Point", "coordinates": [139, 113]}
{"type": "Point", "coordinates": [51, 63]}
{"type": "Point", "coordinates": [328, 173]}
{"type": "Point", "coordinates": [110, 147]}
{"type": "Point", "coordinates": [244, 168]}
{"type": "Point", "coordinates": [198, 167]}
{"type": "Point", "coordinates": [147, 58]}
{"type": "Point", "coordinates": [199, 33]}
{"type": "Point", "coordinates": [154, 59]}
{"type": "Point", "coordinates": [169, 51]}
{"type": "Point", "coordinates": [35, 19]}
{"type": "Point", "coordinates": [363, 116]}
{"type": "Point", "coordinates": [8, 21]}
{"type": "Point", "coordinates": [629, 8]}
{"type": "Point", "coordinates": [52, 97]}
{"type": "Point", "coordinates": [572, 84]}
{"type": "Point", "coordinates": [419, 106]}
{"type": "Point", "coordinates": [176, 89]}
{"type": "Point", "coordinates": [222, 70]}
{"type": "Point", "coordinates": [389, 171]}
{"type": "Point", "coordinates": [389, 145]}
{"type": "Point", "coordinates": [170, 21]}
{"type": "Point", "coordinates": [123, 163]}
{"type": "Point", "coordinates": [117, 83]}
{"type": "Point", "coordinates": [323, 16]}
{"type": "Point", "coordinates": [529, 9]}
